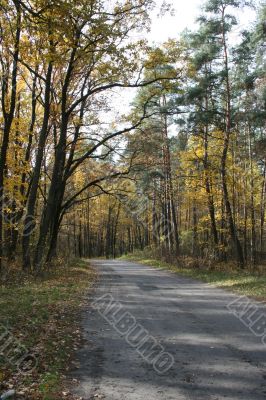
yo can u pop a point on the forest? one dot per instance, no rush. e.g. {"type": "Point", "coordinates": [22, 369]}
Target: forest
{"type": "Point", "coordinates": [119, 154]}
{"type": "Point", "coordinates": [181, 170]}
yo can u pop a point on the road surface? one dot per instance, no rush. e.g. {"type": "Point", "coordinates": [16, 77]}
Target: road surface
{"type": "Point", "coordinates": [215, 356]}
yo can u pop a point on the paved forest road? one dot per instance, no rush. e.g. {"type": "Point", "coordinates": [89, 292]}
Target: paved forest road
{"type": "Point", "coordinates": [215, 355]}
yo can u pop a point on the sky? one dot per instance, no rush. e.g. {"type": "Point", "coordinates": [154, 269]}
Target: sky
{"type": "Point", "coordinates": [186, 11]}
{"type": "Point", "coordinates": [167, 26]}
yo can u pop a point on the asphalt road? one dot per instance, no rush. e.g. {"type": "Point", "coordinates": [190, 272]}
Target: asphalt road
{"type": "Point", "coordinates": [215, 356]}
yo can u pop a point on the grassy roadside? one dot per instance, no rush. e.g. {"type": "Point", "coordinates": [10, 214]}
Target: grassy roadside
{"type": "Point", "coordinates": [43, 315]}
{"type": "Point", "coordinates": [249, 283]}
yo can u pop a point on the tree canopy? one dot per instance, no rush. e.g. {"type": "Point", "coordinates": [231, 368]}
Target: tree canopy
{"type": "Point", "coordinates": [183, 172]}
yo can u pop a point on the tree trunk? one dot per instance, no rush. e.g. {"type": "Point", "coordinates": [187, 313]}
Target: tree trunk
{"type": "Point", "coordinates": [227, 134]}
{"type": "Point", "coordinates": [8, 119]}
{"type": "Point", "coordinates": [262, 208]}
{"type": "Point", "coordinates": [29, 219]}
{"type": "Point", "coordinates": [252, 205]}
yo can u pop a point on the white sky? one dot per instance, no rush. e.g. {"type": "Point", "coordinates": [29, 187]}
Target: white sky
{"type": "Point", "coordinates": [186, 11]}
{"type": "Point", "coordinates": [167, 26]}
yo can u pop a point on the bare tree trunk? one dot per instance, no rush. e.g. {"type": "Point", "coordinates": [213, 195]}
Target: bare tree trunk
{"type": "Point", "coordinates": [195, 231]}
{"type": "Point", "coordinates": [29, 219]}
{"type": "Point", "coordinates": [19, 213]}
{"type": "Point", "coordinates": [8, 116]}
{"type": "Point", "coordinates": [52, 209]}
{"type": "Point", "coordinates": [171, 215]}
{"type": "Point", "coordinates": [208, 189]}
{"type": "Point", "coordinates": [227, 134]}
{"type": "Point", "coordinates": [262, 208]}
{"type": "Point", "coordinates": [252, 206]}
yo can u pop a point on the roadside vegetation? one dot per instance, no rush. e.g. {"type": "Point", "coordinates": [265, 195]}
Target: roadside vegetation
{"type": "Point", "coordinates": [250, 282]}
{"type": "Point", "coordinates": [43, 314]}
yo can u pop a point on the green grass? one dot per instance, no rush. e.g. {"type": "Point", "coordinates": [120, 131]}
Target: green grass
{"type": "Point", "coordinates": [43, 314]}
{"type": "Point", "coordinates": [249, 283]}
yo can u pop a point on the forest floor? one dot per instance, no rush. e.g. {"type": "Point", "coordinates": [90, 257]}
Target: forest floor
{"type": "Point", "coordinates": [246, 282]}
{"type": "Point", "coordinates": [43, 315]}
